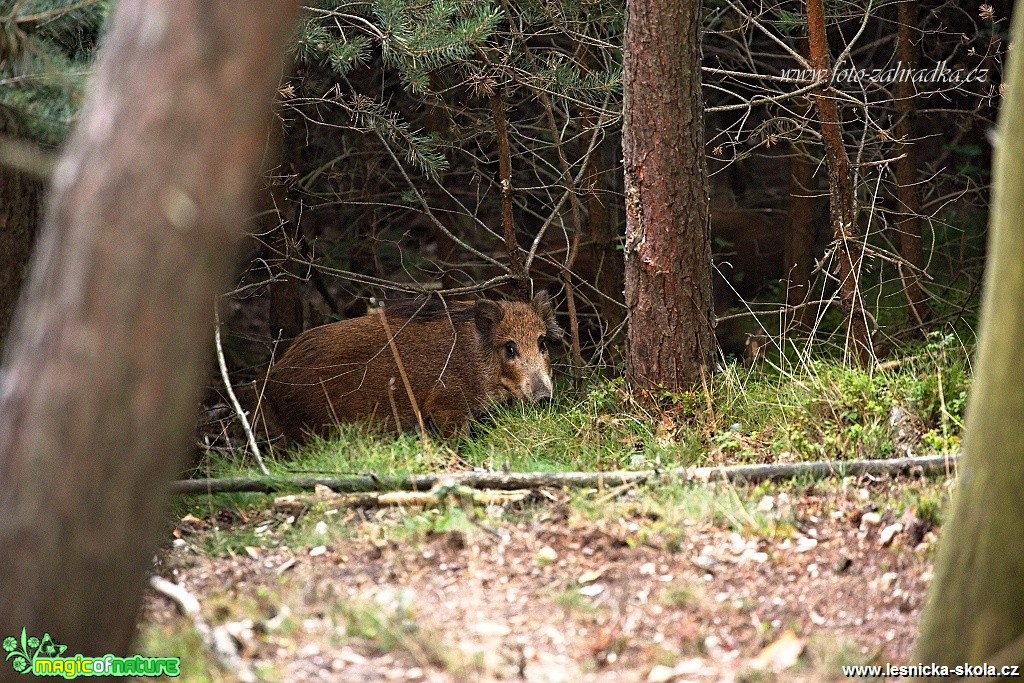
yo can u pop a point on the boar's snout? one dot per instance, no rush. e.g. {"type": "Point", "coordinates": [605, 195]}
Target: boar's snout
{"type": "Point", "coordinates": [541, 388]}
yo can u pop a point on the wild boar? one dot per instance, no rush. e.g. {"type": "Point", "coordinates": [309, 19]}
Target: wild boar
{"type": "Point", "coordinates": [459, 358]}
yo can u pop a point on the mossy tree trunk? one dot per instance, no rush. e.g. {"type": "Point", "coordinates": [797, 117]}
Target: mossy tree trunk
{"type": "Point", "coordinates": [668, 239]}
{"type": "Point", "coordinates": [102, 370]}
{"type": "Point", "coordinates": [976, 602]}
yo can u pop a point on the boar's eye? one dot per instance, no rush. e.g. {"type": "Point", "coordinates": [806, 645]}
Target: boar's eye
{"type": "Point", "coordinates": [542, 344]}
{"type": "Point", "coordinates": [510, 350]}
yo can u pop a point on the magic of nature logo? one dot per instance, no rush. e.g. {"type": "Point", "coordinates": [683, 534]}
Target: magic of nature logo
{"type": "Point", "coordinates": [45, 657]}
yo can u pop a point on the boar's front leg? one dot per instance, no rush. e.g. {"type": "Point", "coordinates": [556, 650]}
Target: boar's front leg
{"type": "Point", "coordinates": [448, 412]}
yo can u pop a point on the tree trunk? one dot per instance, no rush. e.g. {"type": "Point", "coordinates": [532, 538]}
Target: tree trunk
{"type": "Point", "coordinates": [909, 225]}
{"type": "Point", "coordinates": [605, 253]}
{"type": "Point", "coordinates": [19, 212]}
{"type": "Point", "coordinates": [840, 186]}
{"type": "Point", "coordinates": [437, 122]}
{"type": "Point", "coordinates": [976, 602]}
{"type": "Point", "coordinates": [799, 255]}
{"type": "Point", "coordinates": [100, 383]}
{"type": "Point", "coordinates": [515, 259]}
{"type": "Point", "coordinates": [668, 241]}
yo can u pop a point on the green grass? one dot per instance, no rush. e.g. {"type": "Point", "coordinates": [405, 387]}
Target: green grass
{"type": "Point", "coordinates": [786, 409]}
{"type": "Point", "coordinates": [666, 509]}
{"type": "Point", "coordinates": [681, 596]}
{"type": "Point", "coordinates": [782, 410]}
{"type": "Point", "coordinates": [811, 410]}
{"type": "Point", "coordinates": [571, 600]}
{"type": "Point", "coordinates": [178, 639]}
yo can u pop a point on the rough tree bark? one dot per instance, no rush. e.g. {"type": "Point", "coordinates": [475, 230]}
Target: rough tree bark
{"type": "Point", "coordinates": [841, 198]}
{"type": "Point", "coordinates": [909, 225]}
{"type": "Point", "coordinates": [19, 212]}
{"type": "Point", "coordinates": [99, 388]}
{"type": "Point", "coordinates": [976, 603]}
{"type": "Point", "coordinates": [668, 241]}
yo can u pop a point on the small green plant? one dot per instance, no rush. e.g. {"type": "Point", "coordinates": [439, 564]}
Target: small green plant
{"type": "Point", "coordinates": [678, 595]}
{"type": "Point", "coordinates": [571, 600]}
{"type": "Point", "coordinates": [929, 508]}
{"type": "Point", "coordinates": [396, 630]}
{"type": "Point", "coordinates": [178, 638]}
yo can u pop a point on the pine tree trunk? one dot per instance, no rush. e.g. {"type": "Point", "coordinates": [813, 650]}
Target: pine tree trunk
{"type": "Point", "coordinates": [909, 225]}
{"type": "Point", "coordinates": [19, 211]}
{"type": "Point", "coordinates": [841, 198]}
{"type": "Point", "coordinates": [517, 268]}
{"type": "Point", "coordinates": [668, 242]}
{"type": "Point", "coordinates": [100, 384]}
{"type": "Point", "coordinates": [976, 603]}
{"type": "Point", "coordinates": [604, 243]}
{"type": "Point", "coordinates": [437, 122]}
{"type": "Point", "coordinates": [800, 238]}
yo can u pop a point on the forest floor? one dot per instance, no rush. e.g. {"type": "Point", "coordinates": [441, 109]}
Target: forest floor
{"type": "Point", "coordinates": [670, 582]}
{"type": "Point", "coordinates": [701, 582]}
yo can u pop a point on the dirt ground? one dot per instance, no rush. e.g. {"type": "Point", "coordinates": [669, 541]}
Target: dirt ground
{"type": "Point", "coordinates": [807, 579]}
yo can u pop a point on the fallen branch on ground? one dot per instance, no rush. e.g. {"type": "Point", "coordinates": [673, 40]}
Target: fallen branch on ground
{"type": "Point", "coordinates": [297, 503]}
{"type": "Point", "coordinates": [363, 483]}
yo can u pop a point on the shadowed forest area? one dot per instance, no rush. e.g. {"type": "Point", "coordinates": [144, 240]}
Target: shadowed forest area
{"type": "Point", "coordinates": [552, 341]}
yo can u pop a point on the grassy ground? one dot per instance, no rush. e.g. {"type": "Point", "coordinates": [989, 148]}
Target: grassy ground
{"type": "Point", "coordinates": [777, 411]}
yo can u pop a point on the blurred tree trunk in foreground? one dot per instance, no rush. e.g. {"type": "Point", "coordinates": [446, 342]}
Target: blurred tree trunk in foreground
{"type": "Point", "coordinates": [101, 379]}
{"type": "Point", "coordinates": [976, 602]}
{"type": "Point", "coordinates": [668, 240]}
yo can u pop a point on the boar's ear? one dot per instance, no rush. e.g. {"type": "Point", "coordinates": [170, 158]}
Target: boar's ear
{"type": "Point", "coordinates": [542, 304]}
{"type": "Point", "coordinates": [488, 315]}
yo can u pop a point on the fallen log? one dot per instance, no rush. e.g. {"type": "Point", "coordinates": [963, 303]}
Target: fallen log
{"type": "Point", "coordinates": [925, 466]}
